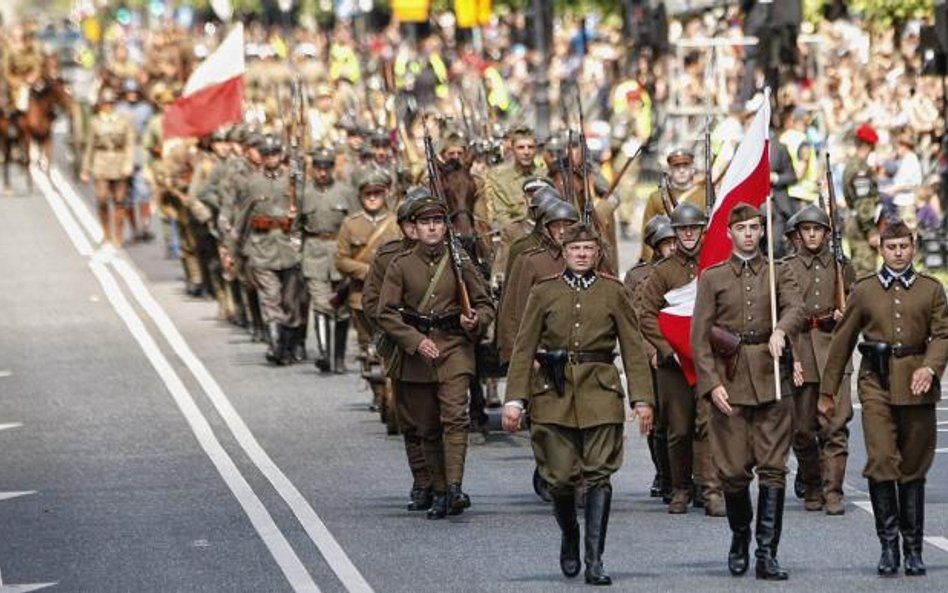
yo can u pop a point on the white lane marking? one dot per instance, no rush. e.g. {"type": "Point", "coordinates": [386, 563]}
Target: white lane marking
{"type": "Point", "coordinates": [291, 565]}
{"type": "Point", "coordinates": [10, 425]}
{"type": "Point", "coordinates": [938, 541]}
{"type": "Point", "coordinates": [864, 505]}
{"type": "Point", "coordinates": [77, 205]}
{"type": "Point", "coordinates": [279, 547]}
{"type": "Point", "coordinates": [942, 423]}
{"type": "Point", "coordinates": [6, 374]}
{"type": "Point", "coordinates": [942, 450]}
{"type": "Point", "coordinates": [25, 588]}
{"type": "Point", "coordinates": [11, 495]}
{"type": "Point", "coordinates": [317, 531]}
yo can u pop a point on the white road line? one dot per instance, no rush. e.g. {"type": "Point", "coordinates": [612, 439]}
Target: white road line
{"type": "Point", "coordinates": [279, 547]}
{"type": "Point", "coordinates": [942, 450]}
{"type": "Point", "coordinates": [78, 207]}
{"type": "Point", "coordinates": [11, 495]}
{"type": "Point", "coordinates": [938, 542]}
{"type": "Point", "coordinates": [333, 553]}
{"type": "Point", "coordinates": [7, 425]}
{"type": "Point", "coordinates": [4, 374]}
{"type": "Point", "coordinates": [291, 565]}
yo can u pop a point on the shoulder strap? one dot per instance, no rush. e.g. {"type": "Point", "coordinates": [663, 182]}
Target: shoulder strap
{"type": "Point", "coordinates": [439, 271]}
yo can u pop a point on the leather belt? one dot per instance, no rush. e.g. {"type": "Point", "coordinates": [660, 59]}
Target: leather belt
{"type": "Point", "coordinates": [584, 356]}
{"type": "Point", "coordinates": [325, 236]}
{"type": "Point", "coordinates": [753, 338]}
{"type": "Point", "coordinates": [899, 351]}
{"type": "Point", "coordinates": [264, 224]}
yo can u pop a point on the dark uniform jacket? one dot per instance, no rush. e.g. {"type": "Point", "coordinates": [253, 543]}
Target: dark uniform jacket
{"type": "Point", "coordinates": [737, 297]}
{"type": "Point", "coordinates": [373, 282]}
{"type": "Point", "coordinates": [559, 316]}
{"type": "Point", "coordinates": [904, 311]}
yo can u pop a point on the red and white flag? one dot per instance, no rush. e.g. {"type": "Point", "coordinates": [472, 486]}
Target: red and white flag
{"type": "Point", "coordinates": [214, 94]}
{"type": "Point", "coordinates": [746, 180]}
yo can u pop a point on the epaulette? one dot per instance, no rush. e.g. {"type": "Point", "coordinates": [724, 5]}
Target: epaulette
{"type": "Point", "coordinates": [608, 276]}
{"type": "Point", "coordinates": [548, 278]}
{"type": "Point", "coordinates": [390, 246]}
{"type": "Point", "coordinates": [533, 250]}
{"type": "Point", "coordinates": [864, 277]}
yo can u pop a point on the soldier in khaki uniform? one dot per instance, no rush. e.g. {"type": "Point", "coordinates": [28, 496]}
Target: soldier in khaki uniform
{"type": "Point", "coordinates": [681, 188]}
{"type": "Point", "coordinates": [503, 186]}
{"type": "Point", "coordinates": [660, 237]}
{"type": "Point", "coordinates": [903, 318]}
{"type": "Point", "coordinates": [532, 266]}
{"type": "Point", "coordinates": [22, 67]}
{"type": "Point", "coordinates": [862, 197]}
{"type": "Point", "coordinates": [820, 444]}
{"type": "Point", "coordinates": [265, 221]}
{"type": "Point", "coordinates": [323, 208]}
{"type": "Point", "coordinates": [574, 397]}
{"type": "Point", "coordinates": [419, 308]}
{"type": "Point", "coordinates": [750, 430]}
{"type": "Point", "coordinates": [108, 161]}
{"type": "Point", "coordinates": [686, 416]}
{"type": "Point", "coordinates": [420, 496]}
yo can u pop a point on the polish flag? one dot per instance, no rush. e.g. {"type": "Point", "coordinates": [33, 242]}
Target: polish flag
{"type": "Point", "coordinates": [746, 180]}
{"type": "Point", "coordinates": [214, 94]}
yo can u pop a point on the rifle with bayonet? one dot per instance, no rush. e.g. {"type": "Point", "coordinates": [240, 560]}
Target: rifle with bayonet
{"type": "Point", "coordinates": [709, 196]}
{"type": "Point", "coordinates": [454, 246]}
{"type": "Point", "coordinates": [588, 211]}
{"type": "Point", "coordinates": [296, 131]}
{"type": "Point", "coordinates": [836, 240]}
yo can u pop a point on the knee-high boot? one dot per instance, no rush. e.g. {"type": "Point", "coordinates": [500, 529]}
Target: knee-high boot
{"type": "Point", "coordinates": [740, 513]}
{"type": "Point", "coordinates": [769, 525]}
{"type": "Point", "coordinates": [564, 509]}
{"type": "Point", "coordinates": [885, 508]}
{"type": "Point", "coordinates": [598, 505]}
{"type": "Point", "coordinates": [911, 524]}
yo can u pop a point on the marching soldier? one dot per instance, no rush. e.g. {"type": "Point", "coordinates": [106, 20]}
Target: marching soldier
{"type": "Point", "coordinates": [504, 186]}
{"type": "Point", "coordinates": [420, 308]}
{"type": "Point", "coordinates": [660, 237]}
{"type": "Point", "coordinates": [681, 188]}
{"type": "Point", "coordinates": [862, 197]}
{"type": "Point", "coordinates": [821, 445]}
{"type": "Point", "coordinates": [538, 198]}
{"type": "Point", "coordinates": [323, 209]}
{"type": "Point", "coordinates": [22, 67]}
{"type": "Point", "coordinates": [574, 398]}
{"type": "Point", "coordinates": [734, 350]}
{"type": "Point", "coordinates": [108, 161]}
{"type": "Point", "coordinates": [265, 224]}
{"type": "Point", "coordinates": [686, 417]}
{"type": "Point", "coordinates": [903, 318]}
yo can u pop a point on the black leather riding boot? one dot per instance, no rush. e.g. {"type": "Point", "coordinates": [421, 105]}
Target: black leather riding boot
{"type": "Point", "coordinates": [911, 524]}
{"type": "Point", "coordinates": [885, 508]}
{"type": "Point", "coordinates": [740, 513]}
{"type": "Point", "coordinates": [769, 524]}
{"type": "Point", "coordinates": [598, 503]}
{"type": "Point", "coordinates": [564, 509]}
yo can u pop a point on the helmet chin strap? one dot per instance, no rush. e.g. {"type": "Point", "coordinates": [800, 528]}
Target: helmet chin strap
{"type": "Point", "coordinates": [693, 250]}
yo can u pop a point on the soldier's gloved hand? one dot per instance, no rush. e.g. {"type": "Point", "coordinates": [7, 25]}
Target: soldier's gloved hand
{"type": "Point", "coordinates": [513, 415]}
{"type": "Point", "coordinates": [777, 343]}
{"type": "Point", "coordinates": [826, 405]}
{"type": "Point", "coordinates": [720, 398]}
{"type": "Point", "coordinates": [646, 415]}
{"type": "Point", "coordinates": [797, 374]}
{"type": "Point", "coordinates": [429, 349]}
{"type": "Point", "coordinates": [922, 380]}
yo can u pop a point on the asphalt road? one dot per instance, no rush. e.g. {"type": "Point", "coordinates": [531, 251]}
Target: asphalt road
{"type": "Point", "coordinates": [145, 446]}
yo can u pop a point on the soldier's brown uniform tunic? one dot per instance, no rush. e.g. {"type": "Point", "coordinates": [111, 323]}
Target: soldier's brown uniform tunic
{"type": "Point", "coordinates": [818, 441]}
{"type": "Point", "coordinates": [736, 295]}
{"type": "Point", "coordinates": [899, 427]}
{"type": "Point", "coordinates": [578, 435]}
{"type": "Point", "coordinates": [436, 391]}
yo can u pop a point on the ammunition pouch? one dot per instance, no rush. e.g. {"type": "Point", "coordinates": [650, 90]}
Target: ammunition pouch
{"type": "Point", "coordinates": [264, 224]}
{"type": "Point", "coordinates": [726, 344]}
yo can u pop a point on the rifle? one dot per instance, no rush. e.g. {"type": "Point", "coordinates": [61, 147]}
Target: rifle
{"type": "Point", "coordinates": [588, 212]}
{"type": "Point", "coordinates": [709, 196]}
{"type": "Point", "coordinates": [297, 161]}
{"type": "Point", "coordinates": [668, 202]}
{"type": "Point", "coordinates": [621, 174]}
{"type": "Point", "coordinates": [454, 246]}
{"type": "Point", "coordinates": [836, 240]}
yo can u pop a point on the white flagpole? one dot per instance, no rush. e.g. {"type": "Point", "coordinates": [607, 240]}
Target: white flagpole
{"type": "Point", "coordinates": [773, 285]}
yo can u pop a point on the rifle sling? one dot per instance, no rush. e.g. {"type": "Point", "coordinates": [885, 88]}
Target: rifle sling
{"type": "Point", "coordinates": [372, 243]}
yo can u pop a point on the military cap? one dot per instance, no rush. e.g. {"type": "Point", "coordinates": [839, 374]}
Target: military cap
{"type": "Point", "coordinates": [867, 134]}
{"type": "Point", "coordinates": [657, 229]}
{"type": "Point", "coordinates": [380, 137]}
{"type": "Point", "coordinates": [811, 213]}
{"type": "Point", "coordinates": [687, 214]}
{"type": "Point", "coordinates": [558, 210]}
{"type": "Point", "coordinates": [107, 95]}
{"type": "Point", "coordinates": [324, 158]}
{"type": "Point", "coordinates": [896, 229]}
{"type": "Point", "coordinates": [532, 184]}
{"type": "Point", "coordinates": [680, 156]}
{"type": "Point", "coordinates": [219, 135]}
{"type": "Point", "coordinates": [415, 193]}
{"type": "Point", "coordinates": [270, 145]}
{"type": "Point", "coordinates": [374, 177]}
{"type": "Point", "coordinates": [253, 139]}
{"type": "Point", "coordinates": [579, 232]}
{"type": "Point", "coordinates": [429, 205]}
{"type": "Point", "coordinates": [742, 211]}
{"type": "Point", "coordinates": [237, 134]}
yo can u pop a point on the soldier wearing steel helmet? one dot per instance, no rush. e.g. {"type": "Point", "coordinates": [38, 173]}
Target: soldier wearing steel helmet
{"type": "Point", "coordinates": [681, 188]}
{"type": "Point", "coordinates": [523, 233]}
{"type": "Point", "coordinates": [821, 445]}
{"type": "Point", "coordinates": [691, 469]}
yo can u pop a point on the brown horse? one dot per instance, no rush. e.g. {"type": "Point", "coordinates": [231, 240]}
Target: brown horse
{"type": "Point", "coordinates": [461, 194]}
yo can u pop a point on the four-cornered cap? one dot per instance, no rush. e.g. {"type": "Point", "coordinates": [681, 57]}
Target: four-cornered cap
{"type": "Point", "coordinates": [657, 229]}
{"type": "Point", "coordinates": [270, 145]}
{"type": "Point", "coordinates": [579, 232]}
{"type": "Point", "coordinates": [558, 210]}
{"type": "Point", "coordinates": [811, 213]}
{"type": "Point", "coordinates": [687, 214]}
{"type": "Point", "coordinates": [324, 158]}
{"type": "Point", "coordinates": [532, 184]}
{"type": "Point", "coordinates": [680, 156]}
{"type": "Point", "coordinates": [374, 177]}
{"type": "Point", "coordinates": [866, 133]}
{"type": "Point", "coordinates": [424, 206]}
{"type": "Point", "coordinates": [742, 211]}
{"type": "Point", "coordinates": [414, 193]}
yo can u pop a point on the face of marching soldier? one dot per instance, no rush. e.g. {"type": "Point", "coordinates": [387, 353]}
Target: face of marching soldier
{"type": "Point", "coordinates": [322, 175]}
{"type": "Point", "coordinates": [272, 161]}
{"type": "Point", "coordinates": [409, 230]}
{"type": "Point", "coordinates": [431, 229]}
{"type": "Point", "coordinates": [682, 175]}
{"type": "Point", "coordinates": [381, 153]}
{"type": "Point", "coordinates": [555, 229]}
{"type": "Point", "coordinates": [745, 236]}
{"type": "Point", "coordinates": [581, 256]}
{"type": "Point", "coordinates": [373, 199]}
{"type": "Point", "coordinates": [666, 247]}
{"type": "Point", "coordinates": [897, 253]}
{"type": "Point", "coordinates": [453, 153]}
{"type": "Point", "coordinates": [253, 155]}
{"type": "Point", "coordinates": [812, 235]}
{"type": "Point", "coordinates": [689, 237]}
{"type": "Point", "coordinates": [525, 150]}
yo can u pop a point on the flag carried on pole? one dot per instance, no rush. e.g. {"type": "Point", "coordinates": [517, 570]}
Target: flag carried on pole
{"type": "Point", "coordinates": [747, 180]}
{"type": "Point", "coordinates": [214, 93]}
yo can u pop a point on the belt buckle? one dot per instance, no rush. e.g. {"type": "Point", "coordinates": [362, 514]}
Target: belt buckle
{"type": "Point", "coordinates": [572, 357]}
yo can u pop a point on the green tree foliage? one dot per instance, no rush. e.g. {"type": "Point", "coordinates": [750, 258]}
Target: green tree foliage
{"type": "Point", "coordinates": [884, 14]}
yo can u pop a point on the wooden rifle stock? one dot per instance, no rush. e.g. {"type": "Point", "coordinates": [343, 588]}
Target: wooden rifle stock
{"type": "Point", "coordinates": [836, 240]}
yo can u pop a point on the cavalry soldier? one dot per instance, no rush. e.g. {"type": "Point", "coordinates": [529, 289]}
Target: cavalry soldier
{"type": "Point", "coordinates": [734, 351]}
{"type": "Point", "coordinates": [400, 419]}
{"type": "Point", "coordinates": [903, 318]}
{"type": "Point", "coordinates": [660, 237]}
{"type": "Point", "coordinates": [323, 208]}
{"type": "Point", "coordinates": [22, 67]}
{"type": "Point", "coordinates": [360, 235]}
{"type": "Point", "coordinates": [820, 444]}
{"type": "Point", "coordinates": [108, 161]}
{"type": "Point", "coordinates": [862, 197]}
{"type": "Point", "coordinates": [532, 266]}
{"type": "Point", "coordinates": [681, 188]}
{"type": "Point", "coordinates": [504, 186]}
{"type": "Point", "coordinates": [265, 224]}
{"type": "Point", "coordinates": [420, 309]}
{"type": "Point", "coordinates": [685, 416]}
{"type": "Point", "coordinates": [572, 322]}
